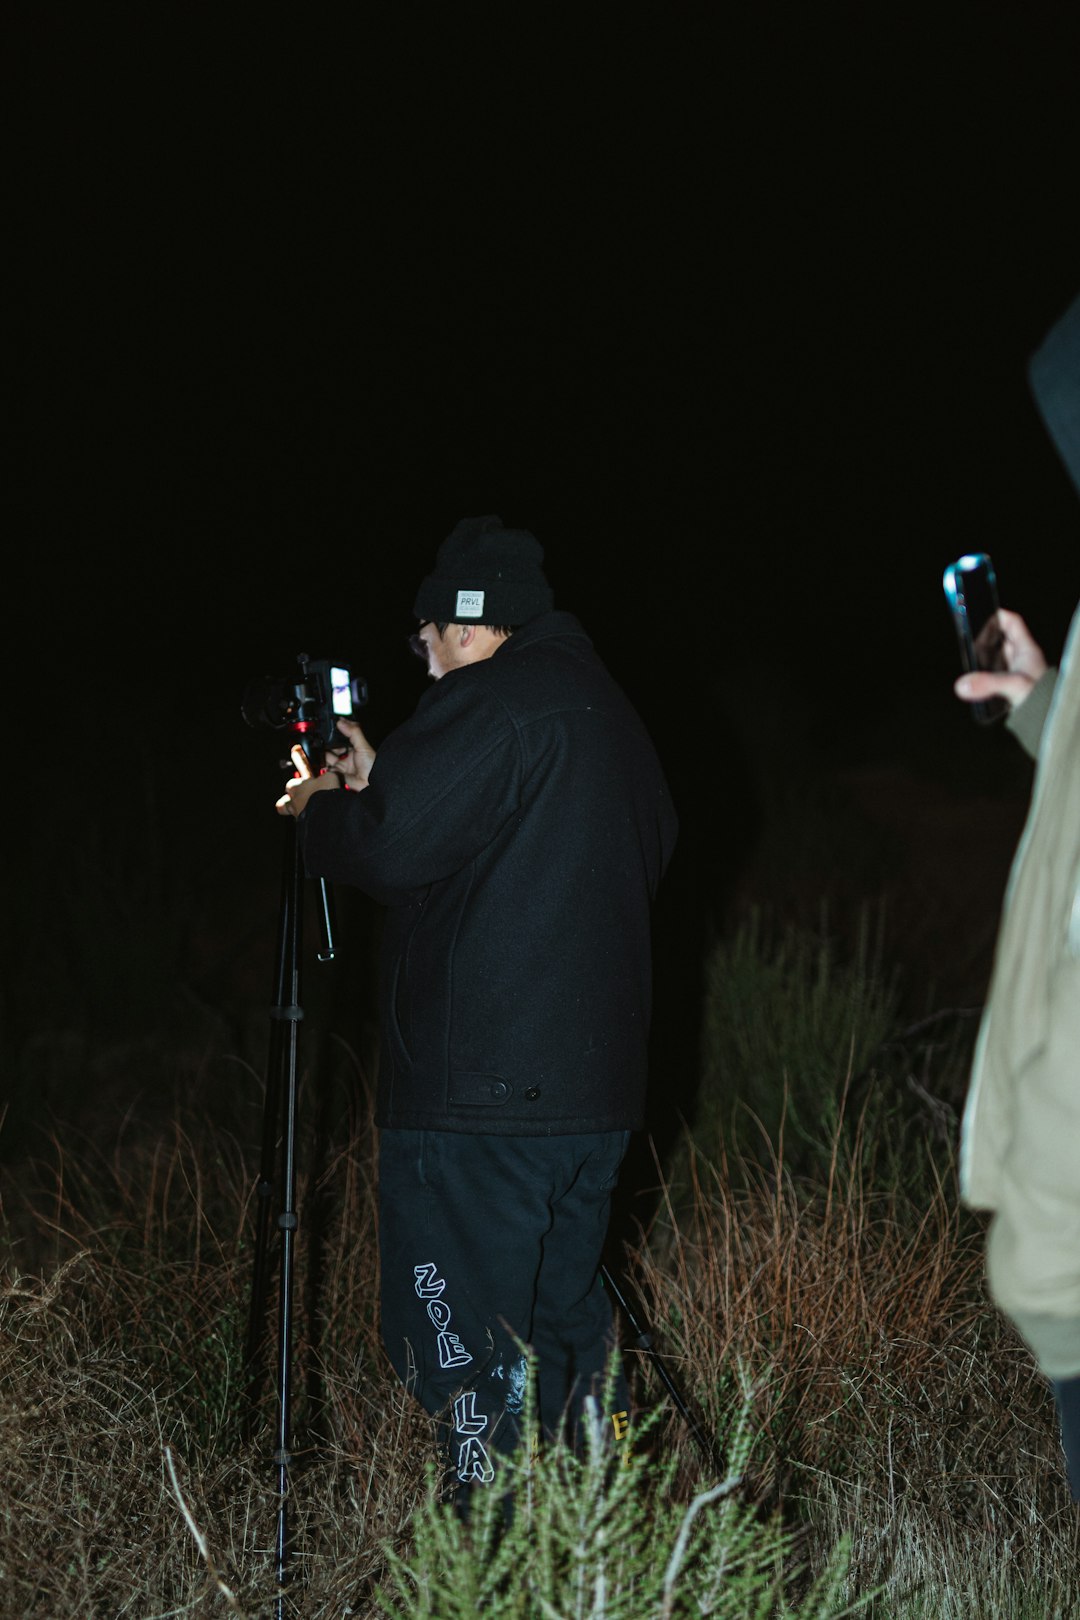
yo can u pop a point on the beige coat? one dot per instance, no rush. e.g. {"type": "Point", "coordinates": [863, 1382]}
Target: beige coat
{"type": "Point", "coordinates": [1020, 1146]}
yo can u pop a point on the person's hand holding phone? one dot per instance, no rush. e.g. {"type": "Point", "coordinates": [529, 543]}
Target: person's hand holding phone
{"type": "Point", "coordinates": [1024, 666]}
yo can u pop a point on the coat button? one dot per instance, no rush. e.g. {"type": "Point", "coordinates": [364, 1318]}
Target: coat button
{"type": "Point", "coordinates": [499, 1091]}
{"type": "Point", "coordinates": [532, 1094]}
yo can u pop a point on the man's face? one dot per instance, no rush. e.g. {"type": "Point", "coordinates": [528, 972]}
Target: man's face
{"type": "Point", "coordinates": [458, 645]}
{"type": "Point", "coordinates": [438, 649]}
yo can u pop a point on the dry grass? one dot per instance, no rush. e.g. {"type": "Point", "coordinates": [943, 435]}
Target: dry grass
{"type": "Point", "coordinates": [891, 1403]}
{"type": "Point", "coordinates": [124, 1406]}
{"type": "Point", "coordinates": [895, 1406]}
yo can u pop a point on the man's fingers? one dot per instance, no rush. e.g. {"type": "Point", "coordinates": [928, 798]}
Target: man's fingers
{"type": "Point", "coordinates": [297, 792]}
{"type": "Point", "coordinates": [300, 788]}
{"type": "Point", "coordinates": [1012, 624]}
{"type": "Point", "coordinates": [985, 684]}
{"type": "Point", "coordinates": [1023, 655]}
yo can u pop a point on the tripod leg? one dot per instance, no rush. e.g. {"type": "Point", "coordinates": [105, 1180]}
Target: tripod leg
{"type": "Point", "coordinates": [644, 1341]}
{"type": "Point", "coordinates": [288, 1222]}
{"type": "Point", "coordinates": [282, 1034]}
{"type": "Point", "coordinates": [282, 1079]}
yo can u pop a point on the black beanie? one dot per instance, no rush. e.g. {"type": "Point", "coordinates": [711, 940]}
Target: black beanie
{"type": "Point", "coordinates": [485, 574]}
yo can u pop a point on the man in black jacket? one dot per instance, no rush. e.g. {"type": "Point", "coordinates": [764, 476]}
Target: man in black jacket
{"type": "Point", "coordinates": [516, 828]}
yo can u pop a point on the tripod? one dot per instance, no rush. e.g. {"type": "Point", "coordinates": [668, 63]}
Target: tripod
{"type": "Point", "coordinates": [279, 1125]}
{"type": "Point", "coordinates": [643, 1340]}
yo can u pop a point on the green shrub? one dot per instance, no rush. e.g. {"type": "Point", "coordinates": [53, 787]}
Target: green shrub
{"type": "Point", "coordinates": [787, 1023]}
{"type": "Point", "coordinates": [593, 1539]}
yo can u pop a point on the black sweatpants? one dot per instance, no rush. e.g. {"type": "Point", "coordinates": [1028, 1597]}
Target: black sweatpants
{"type": "Point", "coordinates": [486, 1241]}
{"type": "Point", "coordinates": [1067, 1397]}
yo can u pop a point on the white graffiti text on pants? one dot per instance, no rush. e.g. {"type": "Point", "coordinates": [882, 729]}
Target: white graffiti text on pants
{"type": "Point", "coordinates": [473, 1462]}
{"type": "Point", "coordinates": [430, 1288]}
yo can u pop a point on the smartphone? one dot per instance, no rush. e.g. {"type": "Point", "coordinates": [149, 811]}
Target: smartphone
{"type": "Point", "coordinates": [971, 592]}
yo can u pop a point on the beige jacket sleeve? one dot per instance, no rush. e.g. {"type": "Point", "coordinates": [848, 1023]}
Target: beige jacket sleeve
{"type": "Point", "coordinates": [1027, 721]}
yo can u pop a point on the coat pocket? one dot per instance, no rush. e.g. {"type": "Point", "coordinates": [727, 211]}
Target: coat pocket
{"type": "Point", "coordinates": [469, 1090]}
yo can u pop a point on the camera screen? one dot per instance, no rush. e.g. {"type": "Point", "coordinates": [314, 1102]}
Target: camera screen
{"type": "Point", "coordinates": [340, 691]}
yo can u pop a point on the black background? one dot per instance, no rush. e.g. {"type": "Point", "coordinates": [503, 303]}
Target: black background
{"type": "Point", "coordinates": [732, 309]}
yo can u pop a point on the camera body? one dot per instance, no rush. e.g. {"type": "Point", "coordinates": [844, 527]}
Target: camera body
{"type": "Point", "coordinates": [308, 705]}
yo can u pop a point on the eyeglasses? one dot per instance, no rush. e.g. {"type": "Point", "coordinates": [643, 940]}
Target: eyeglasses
{"type": "Point", "coordinates": [417, 644]}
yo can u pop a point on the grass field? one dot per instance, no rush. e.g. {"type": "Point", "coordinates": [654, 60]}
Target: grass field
{"type": "Point", "coordinates": [813, 1288]}
{"type": "Point", "coordinates": [797, 1247]}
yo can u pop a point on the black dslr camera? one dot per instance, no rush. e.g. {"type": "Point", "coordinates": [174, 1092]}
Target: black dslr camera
{"type": "Point", "coordinates": [309, 705]}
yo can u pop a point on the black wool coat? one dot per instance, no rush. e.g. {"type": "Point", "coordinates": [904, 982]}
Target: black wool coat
{"type": "Point", "coordinates": [516, 827]}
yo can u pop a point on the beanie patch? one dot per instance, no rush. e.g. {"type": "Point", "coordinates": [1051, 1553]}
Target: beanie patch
{"type": "Point", "coordinates": [470, 605]}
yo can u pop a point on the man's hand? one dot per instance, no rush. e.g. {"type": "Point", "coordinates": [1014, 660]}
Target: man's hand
{"type": "Point", "coordinates": [354, 763]}
{"type": "Point", "coordinates": [345, 767]}
{"type": "Point", "coordinates": [1024, 663]}
{"type": "Point", "coordinates": [303, 785]}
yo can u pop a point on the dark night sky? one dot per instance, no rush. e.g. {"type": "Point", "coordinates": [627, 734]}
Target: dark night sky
{"type": "Point", "coordinates": [733, 312]}
{"type": "Point", "coordinates": [756, 298]}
